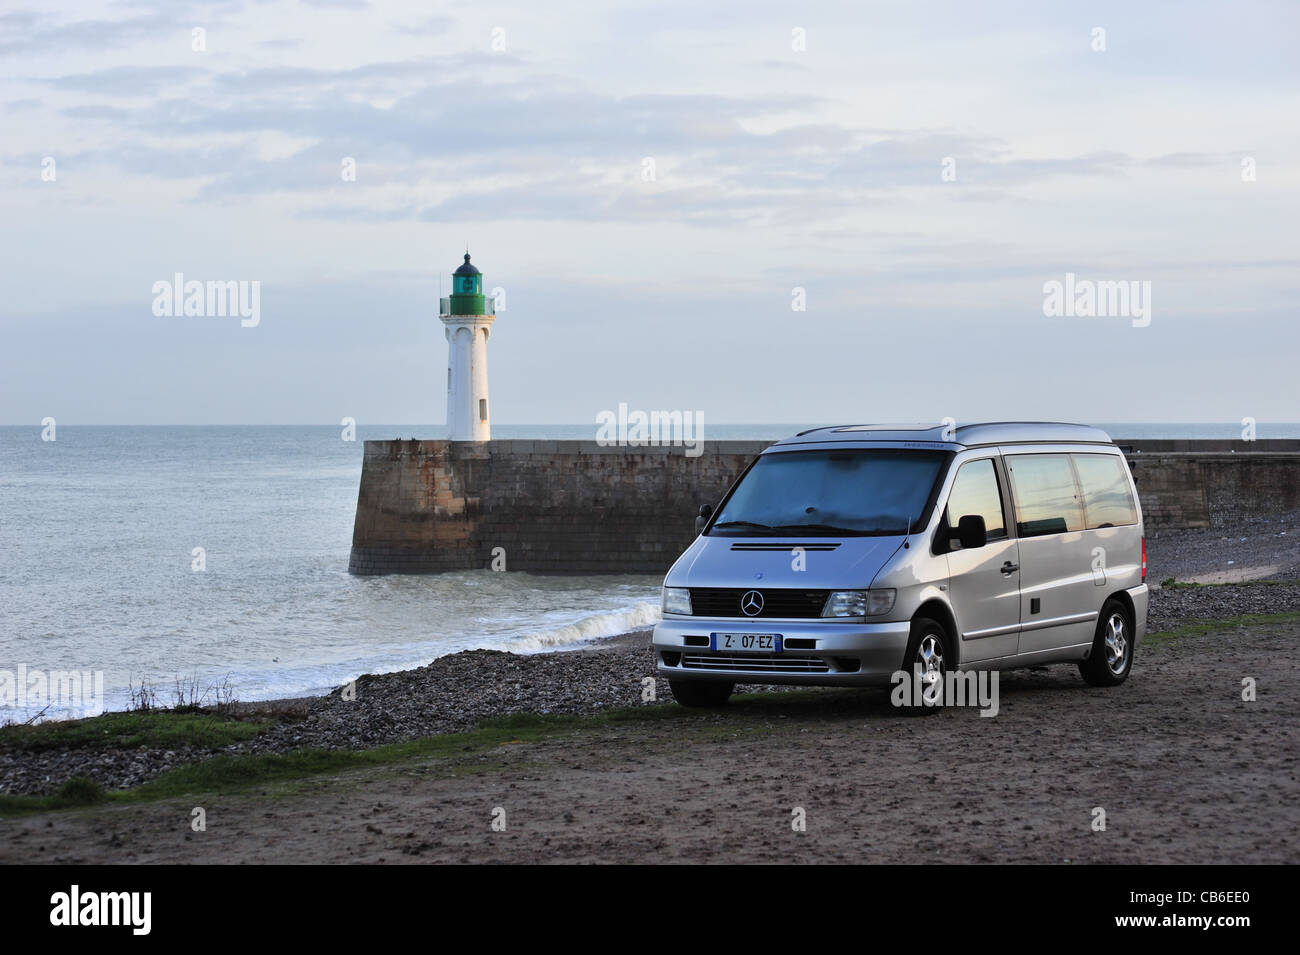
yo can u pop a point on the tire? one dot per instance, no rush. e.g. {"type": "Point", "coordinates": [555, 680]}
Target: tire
{"type": "Point", "coordinates": [929, 647]}
{"type": "Point", "coordinates": [1111, 658]}
{"type": "Point", "coordinates": [701, 693]}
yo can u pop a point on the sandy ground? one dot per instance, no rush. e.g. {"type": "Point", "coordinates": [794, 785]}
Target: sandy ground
{"type": "Point", "coordinates": [1184, 769]}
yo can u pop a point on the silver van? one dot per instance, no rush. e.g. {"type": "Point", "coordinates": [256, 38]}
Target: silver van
{"type": "Point", "coordinates": [844, 555]}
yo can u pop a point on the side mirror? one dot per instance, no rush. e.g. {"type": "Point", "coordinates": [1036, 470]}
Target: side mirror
{"type": "Point", "coordinates": [971, 531]}
{"type": "Point", "coordinates": [706, 511]}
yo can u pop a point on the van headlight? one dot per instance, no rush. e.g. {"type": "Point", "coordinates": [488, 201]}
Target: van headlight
{"type": "Point", "coordinates": [677, 600]}
{"type": "Point", "coordinates": [859, 603]}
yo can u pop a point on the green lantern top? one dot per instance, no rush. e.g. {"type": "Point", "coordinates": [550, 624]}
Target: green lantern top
{"type": "Point", "coordinates": [467, 291]}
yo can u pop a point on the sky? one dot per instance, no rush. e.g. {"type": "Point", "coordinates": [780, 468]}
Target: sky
{"type": "Point", "coordinates": [759, 211]}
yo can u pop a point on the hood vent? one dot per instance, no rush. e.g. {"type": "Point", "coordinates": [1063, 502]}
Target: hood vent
{"type": "Point", "coordinates": [791, 545]}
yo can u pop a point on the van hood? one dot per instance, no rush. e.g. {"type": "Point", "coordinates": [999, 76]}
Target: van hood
{"type": "Point", "coordinates": [831, 563]}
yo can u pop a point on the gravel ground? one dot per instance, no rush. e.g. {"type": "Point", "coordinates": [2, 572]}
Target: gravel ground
{"type": "Point", "coordinates": [454, 693]}
{"type": "Point", "coordinates": [451, 694]}
{"type": "Point", "coordinates": [1173, 607]}
{"type": "Point", "coordinates": [1269, 547]}
{"type": "Point", "coordinates": [1184, 769]}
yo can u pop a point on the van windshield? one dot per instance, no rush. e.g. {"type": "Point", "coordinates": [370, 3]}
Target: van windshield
{"type": "Point", "coordinates": [842, 492]}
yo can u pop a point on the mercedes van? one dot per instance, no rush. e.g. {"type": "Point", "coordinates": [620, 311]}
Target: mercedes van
{"type": "Point", "coordinates": [844, 555]}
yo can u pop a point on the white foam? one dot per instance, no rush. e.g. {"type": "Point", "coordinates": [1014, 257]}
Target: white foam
{"type": "Point", "coordinates": [324, 669]}
{"type": "Point", "coordinates": [594, 627]}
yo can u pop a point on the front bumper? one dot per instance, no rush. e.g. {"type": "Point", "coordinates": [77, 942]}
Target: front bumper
{"type": "Point", "coordinates": [824, 652]}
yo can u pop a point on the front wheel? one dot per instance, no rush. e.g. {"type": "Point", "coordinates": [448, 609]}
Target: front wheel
{"type": "Point", "coordinates": [926, 664]}
{"type": "Point", "coordinates": [700, 693]}
{"type": "Point", "coordinates": [1111, 658]}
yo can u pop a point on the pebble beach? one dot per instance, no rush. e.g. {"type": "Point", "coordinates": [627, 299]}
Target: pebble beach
{"type": "Point", "coordinates": [455, 693]}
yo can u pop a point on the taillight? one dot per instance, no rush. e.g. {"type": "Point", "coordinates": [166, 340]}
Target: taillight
{"type": "Point", "coordinates": [1144, 560]}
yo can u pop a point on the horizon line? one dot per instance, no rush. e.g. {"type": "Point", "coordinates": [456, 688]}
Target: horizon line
{"type": "Point", "coordinates": [543, 424]}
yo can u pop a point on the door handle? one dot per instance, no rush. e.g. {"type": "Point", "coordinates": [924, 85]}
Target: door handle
{"type": "Point", "coordinates": [1009, 568]}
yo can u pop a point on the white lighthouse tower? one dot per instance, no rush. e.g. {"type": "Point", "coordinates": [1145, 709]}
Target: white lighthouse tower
{"type": "Point", "coordinates": [468, 317]}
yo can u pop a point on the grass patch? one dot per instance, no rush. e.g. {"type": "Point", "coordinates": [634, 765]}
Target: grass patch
{"type": "Point", "coordinates": [72, 794]}
{"type": "Point", "coordinates": [1170, 583]}
{"type": "Point", "coordinates": [227, 773]}
{"type": "Point", "coordinates": [463, 753]}
{"type": "Point", "coordinates": [164, 729]}
{"type": "Point", "coordinates": [1199, 628]}
{"type": "Point", "coordinates": [80, 791]}
{"type": "Point", "coordinates": [234, 772]}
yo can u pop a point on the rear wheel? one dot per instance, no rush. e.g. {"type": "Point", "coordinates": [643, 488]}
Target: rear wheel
{"type": "Point", "coordinates": [927, 655]}
{"type": "Point", "coordinates": [697, 693]}
{"type": "Point", "coordinates": [1112, 648]}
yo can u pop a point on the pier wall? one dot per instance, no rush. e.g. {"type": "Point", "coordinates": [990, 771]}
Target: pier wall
{"type": "Point", "coordinates": [574, 507]}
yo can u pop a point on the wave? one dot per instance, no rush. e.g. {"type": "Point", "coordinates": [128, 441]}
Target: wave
{"type": "Point", "coordinates": [293, 678]}
{"type": "Point", "coordinates": [608, 624]}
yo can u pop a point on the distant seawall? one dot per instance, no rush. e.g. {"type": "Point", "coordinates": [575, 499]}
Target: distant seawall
{"type": "Point", "coordinates": [574, 507]}
{"type": "Point", "coordinates": [570, 507]}
{"type": "Point", "coordinates": [1213, 483]}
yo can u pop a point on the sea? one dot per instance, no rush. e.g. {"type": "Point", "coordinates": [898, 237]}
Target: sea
{"type": "Point", "coordinates": [211, 562]}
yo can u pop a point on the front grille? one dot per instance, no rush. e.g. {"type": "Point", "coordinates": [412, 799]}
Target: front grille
{"type": "Point", "coordinates": [725, 602]}
{"type": "Point", "coordinates": [778, 663]}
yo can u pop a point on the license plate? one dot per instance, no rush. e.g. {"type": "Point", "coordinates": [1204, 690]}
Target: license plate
{"type": "Point", "coordinates": [745, 642]}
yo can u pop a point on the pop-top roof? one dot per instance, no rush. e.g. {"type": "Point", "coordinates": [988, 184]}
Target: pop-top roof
{"type": "Point", "coordinates": [966, 435]}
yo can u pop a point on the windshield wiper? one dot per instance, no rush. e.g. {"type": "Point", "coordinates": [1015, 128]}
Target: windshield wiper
{"type": "Point", "coordinates": [766, 527]}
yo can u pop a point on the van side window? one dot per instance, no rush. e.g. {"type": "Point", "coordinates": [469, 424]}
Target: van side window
{"type": "Point", "coordinates": [975, 491]}
{"type": "Point", "coordinates": [1107, 499]}
{"type": "Point", "coordinates": [1047, 499]}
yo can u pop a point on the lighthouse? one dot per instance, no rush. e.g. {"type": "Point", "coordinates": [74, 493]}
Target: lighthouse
{"type": "Point", "coordinates": [468, 318]}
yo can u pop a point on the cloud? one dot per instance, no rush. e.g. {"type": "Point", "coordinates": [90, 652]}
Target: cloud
{"type": "Point", "coordinates": [148, 81]}
{"type": "Point", "coordinates": [27, 31]}
{"type": "Point", "coordinates": [781, 65]}
{"type": "Point", "coordinates": [1188, 160]}
{"type": "Point", "coordinates": [529, 147]}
